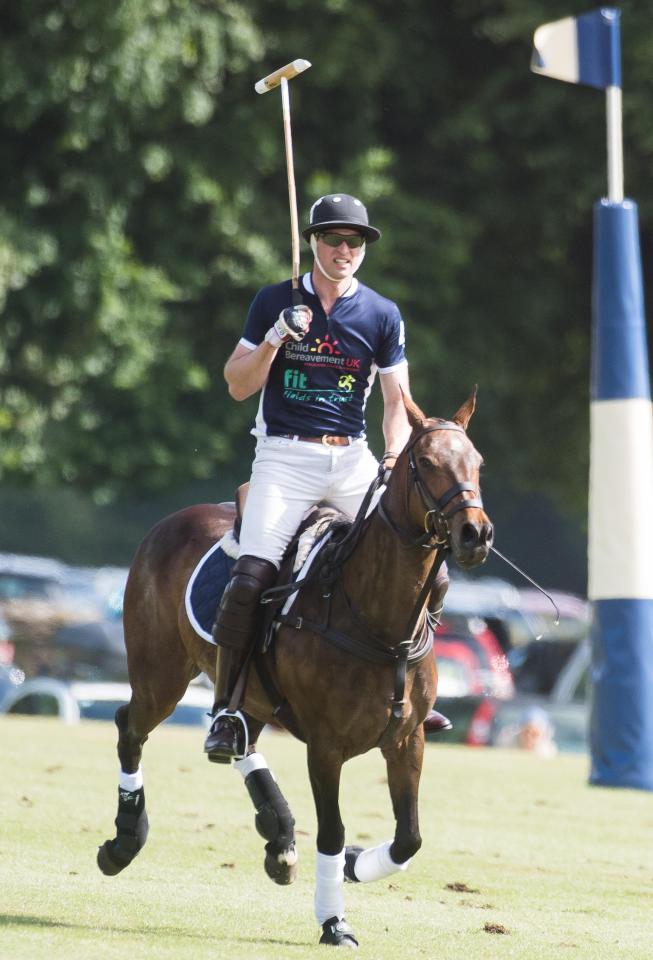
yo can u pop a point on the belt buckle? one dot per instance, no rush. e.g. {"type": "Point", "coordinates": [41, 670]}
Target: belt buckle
{"type": "Point", "coordinates": [325, 439]}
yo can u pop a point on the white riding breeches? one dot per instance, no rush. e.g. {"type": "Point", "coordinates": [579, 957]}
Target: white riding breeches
{"type": "Point", "coordinates": [291, 476]}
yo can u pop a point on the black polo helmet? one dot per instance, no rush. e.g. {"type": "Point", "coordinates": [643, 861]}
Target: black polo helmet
{"type": "Point", "coordinates": [340, 210]}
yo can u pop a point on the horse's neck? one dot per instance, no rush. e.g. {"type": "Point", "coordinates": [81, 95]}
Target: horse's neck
{"type": "Point", "coordinates": [383, 579]}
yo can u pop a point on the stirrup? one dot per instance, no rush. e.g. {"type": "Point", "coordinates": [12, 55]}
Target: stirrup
{"type": "Point", "coordinates": [239, 718]}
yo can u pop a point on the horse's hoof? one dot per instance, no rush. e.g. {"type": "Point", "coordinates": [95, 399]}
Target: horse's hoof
{"type": "Point", "coordinates": [338, 933]}
{"type": "Point", "coordinates": [106, 863]}
{"type": "Point", "coordinates": [351, 856]}
{"type": "Point", "coordinates": [282, 867]}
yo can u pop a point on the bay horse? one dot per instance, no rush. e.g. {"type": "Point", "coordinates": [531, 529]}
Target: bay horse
{"type": "Point", "coordinates": [357, 643]}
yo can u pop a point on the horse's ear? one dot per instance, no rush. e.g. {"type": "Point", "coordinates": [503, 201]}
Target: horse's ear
{"type": "Point", "coordinates": [416, 417]}
{"type": "Point", "coordinates": [464, 415]}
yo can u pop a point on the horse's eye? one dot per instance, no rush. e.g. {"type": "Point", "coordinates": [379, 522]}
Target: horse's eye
{"type": "Point", "coordinates": [426, 464]}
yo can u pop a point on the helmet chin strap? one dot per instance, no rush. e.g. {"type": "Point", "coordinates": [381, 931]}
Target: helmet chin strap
{"type": "Point", "coordinates": [313, 242]}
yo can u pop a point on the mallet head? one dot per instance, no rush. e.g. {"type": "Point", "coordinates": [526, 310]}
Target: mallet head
{"type": "Point", "coordinates": [274, 79]}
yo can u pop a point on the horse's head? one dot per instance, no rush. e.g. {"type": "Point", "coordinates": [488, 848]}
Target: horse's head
{"type": "Point", "coordinates": [439, 471]}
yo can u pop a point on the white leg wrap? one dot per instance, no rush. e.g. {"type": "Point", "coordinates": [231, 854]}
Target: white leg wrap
{"type": "Point", "coordinates": [329, 882]}
{"type": "Point", "coordinates": [376, 863]}
{"type": "Point", "coordinates": [253, 761]}
{"type": "Point", "coordinates": [131, 781]}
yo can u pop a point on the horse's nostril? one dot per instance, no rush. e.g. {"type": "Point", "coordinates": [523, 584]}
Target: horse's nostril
{"type": "Point", "coordinates": [473, 535]}
{"type": "Point", "coordinates": [469, 535]}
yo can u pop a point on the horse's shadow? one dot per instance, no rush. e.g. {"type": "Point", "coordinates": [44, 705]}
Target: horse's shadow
{"type": "Point", "coordinates": [26, 920]}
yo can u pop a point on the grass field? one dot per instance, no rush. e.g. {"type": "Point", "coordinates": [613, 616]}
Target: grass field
{"type": "Point", "coordinates": [521, 859]}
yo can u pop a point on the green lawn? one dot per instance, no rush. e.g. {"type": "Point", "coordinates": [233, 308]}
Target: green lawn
{"type": "Point", "coordinates": [521, 859]}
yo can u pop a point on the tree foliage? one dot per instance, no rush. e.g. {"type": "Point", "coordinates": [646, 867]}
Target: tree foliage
{"type": "Point", "coordinates": [143, 200]}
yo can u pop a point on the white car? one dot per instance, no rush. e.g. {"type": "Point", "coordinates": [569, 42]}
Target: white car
{"type": "Point", "coordinates": [72, 702]}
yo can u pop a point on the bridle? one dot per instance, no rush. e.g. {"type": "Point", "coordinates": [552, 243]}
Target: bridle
{"type": "Point", "coordinates": [436, 518]}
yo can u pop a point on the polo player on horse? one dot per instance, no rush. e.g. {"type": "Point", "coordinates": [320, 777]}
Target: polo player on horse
{"type": "Point", "coordinates": [314, 365]}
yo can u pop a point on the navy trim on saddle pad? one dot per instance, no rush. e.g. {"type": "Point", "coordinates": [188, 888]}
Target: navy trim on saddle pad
{"type": "Point", "coordinates": [205, 589]}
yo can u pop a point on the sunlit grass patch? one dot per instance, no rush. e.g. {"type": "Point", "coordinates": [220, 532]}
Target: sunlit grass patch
{"type": "Point", "coordinates": [521, 859]}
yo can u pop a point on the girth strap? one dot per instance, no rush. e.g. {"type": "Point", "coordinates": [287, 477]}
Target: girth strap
{"type": "Point", "coordinates": [373, 654]}
{"type": "Point", "coordinates": [401, 656]}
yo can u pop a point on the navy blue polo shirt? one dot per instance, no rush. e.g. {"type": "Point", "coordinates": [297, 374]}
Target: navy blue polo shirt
{"type": "Point", "coordinates": [321, 384]}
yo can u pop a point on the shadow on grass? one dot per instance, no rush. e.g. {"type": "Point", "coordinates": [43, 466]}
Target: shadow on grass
{"type": "Point", "coordinates": [8, 919]}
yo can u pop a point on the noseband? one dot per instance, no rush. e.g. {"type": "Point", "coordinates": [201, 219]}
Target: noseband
{"type": "Point", "coordinates": [436, 525]}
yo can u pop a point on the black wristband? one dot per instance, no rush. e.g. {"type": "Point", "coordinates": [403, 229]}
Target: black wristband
{"type": "Point", "coordinates": [388, 454]}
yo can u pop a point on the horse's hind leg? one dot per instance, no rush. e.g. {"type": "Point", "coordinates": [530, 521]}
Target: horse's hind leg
{"type": "Point", "coordinates": [274, 821]}
{"type": "Point", "coordinates": [404, 765]}
{"type": "Point", "coordinates": [131, 822]}
{"type": "Point", "coordinates": [147, 708]}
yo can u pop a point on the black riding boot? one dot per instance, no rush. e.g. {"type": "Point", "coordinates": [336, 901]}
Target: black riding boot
{"type": "Point", "coordinates": [234, 631]}
{"type": "Point", "coordinates": [436, 722]}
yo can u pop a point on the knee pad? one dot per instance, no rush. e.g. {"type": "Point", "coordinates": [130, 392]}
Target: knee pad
{"type": "Point", "coordinates": [239, 607]}
{"type": "Point", "coordinates": [249, 578]}
{"type": "Point", "coordinates": [242, 590]}
{"type": "Point", "coordinates": [274, 821]}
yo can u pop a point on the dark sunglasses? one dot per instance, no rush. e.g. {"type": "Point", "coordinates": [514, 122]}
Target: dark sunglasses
{"type": "Point", "coordinates": [335, 239]}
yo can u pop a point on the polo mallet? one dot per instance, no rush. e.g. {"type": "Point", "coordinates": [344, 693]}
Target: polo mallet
{"type": "Point", "coordinates": [281, 77]}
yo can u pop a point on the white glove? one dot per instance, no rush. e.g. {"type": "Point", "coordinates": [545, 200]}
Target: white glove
{"type": "Point", "coordinates": [293, 323]}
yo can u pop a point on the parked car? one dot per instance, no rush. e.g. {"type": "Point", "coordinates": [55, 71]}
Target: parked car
{"type": "Point", "coordinates": [93, 651]}
{"type": "Point", "coordinates": [497, 642]}
{"type": "Point", "coordinates": [30, 587]}
{"type": "Point", "coordinates": [566, 707]}
{"type": "Point", "coordinates": [518, 616]}
{"type": "Point", "coordinates": [10, 677]}
{"type": "Point", "coordinates": [540, 647]}
{"type": "Point", "coordinates": [104, 586]}
{"type": "Point", "coordinates": [66, 622]}
{"type": "Point", "coordinates": [7, 648]}
{"type": "Point", "coordinates": [72, 702]}
{"type": "Point", "coordinates": [38, 595]}
{"type": "Point", "coordinates": [472, 670]}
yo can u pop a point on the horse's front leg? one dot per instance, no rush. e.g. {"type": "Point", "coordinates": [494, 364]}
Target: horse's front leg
{"type": "Point", "coordinates": [324, 767]}
{"type": "Point", "coordinates": [404, 765]}
{"type": "Point", "coordinates": [274, 821]}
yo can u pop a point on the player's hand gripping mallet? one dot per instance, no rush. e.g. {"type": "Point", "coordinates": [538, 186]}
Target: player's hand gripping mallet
{"type": "Point", "coordinates": [280, 78]}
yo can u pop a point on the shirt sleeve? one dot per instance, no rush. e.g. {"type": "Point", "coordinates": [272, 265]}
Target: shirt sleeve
{"type": "Point", "coordinates": [392, 350]}
{"type": "Point", "coordinates": [258, 321]}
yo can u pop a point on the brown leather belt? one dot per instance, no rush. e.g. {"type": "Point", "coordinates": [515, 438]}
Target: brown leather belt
{"type": "Point", "coordinates": [328, 439]}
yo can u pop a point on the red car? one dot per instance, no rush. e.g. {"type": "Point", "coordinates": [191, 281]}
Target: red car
{"type": "Point", "coordinates": [474, 673]}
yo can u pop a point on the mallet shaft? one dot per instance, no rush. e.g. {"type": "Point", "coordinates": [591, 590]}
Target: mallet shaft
{"type": "Point", "coordinates": [281, 77]}
{"type": "Point", "coordinates": [292, 193]}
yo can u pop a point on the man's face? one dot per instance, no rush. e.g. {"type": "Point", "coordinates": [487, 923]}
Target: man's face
{"type": "Point", "coordinates": [339, 259]}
